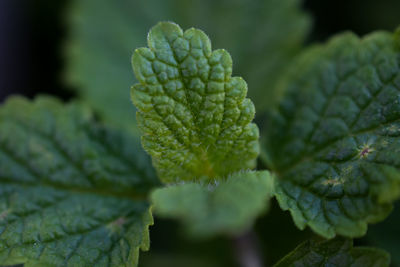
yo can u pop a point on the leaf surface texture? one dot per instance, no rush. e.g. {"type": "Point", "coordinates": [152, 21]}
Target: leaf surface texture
{"type": "Point", "coordinates": [195, 119]}
{"type": "Point", "coordinates": [334, 142]}
{"type": "Point", "coordinates": [72, 192]}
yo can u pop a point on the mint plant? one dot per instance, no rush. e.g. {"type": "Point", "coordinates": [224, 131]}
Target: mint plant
{"type": "Point", "coordinates": [80, 191]}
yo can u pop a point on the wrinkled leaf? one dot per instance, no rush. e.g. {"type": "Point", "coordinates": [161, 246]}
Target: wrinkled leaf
{"type": "Point", "coordinates": [228, 206]}
{"type": "Point", "coordinates": [72, 193]}
{"type": "Point", "coordinates": [195, 117]}
{"type": "Point", "coordinates": [334, 142]}
{"type": "Point", "coordinates": [336, 252]}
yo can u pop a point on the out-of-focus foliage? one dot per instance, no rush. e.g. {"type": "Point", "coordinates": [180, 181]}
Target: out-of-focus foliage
{"type": "Point", "coordinates": [262, 36]}
{"type": "Point", "coordinates": [334, 144]}
{"type": "Point", "coordinates": [195, 117]}
{"type": "Point", "coordinates": [71, 191]}
{"type": "Point", "coordinates": [228, 206]}
{"type": "Point", "coordinates": [336, 252]}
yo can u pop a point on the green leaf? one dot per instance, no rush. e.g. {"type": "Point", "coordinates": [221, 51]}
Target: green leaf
{"type": "Point", "coordinates": [102, 34]}
{"type": "Point", "coordinates": [229, 206]}
{"type": "Point", "coordinates": [194, 115]}
{"type": "Point", "coordinates": [72, 193]}
{"type": "Point", "coordinates": [334, 142]}
{"type": "Point", "coordinates": [98, 52]}
{"type": "Point", "coordinates": [336, 252]}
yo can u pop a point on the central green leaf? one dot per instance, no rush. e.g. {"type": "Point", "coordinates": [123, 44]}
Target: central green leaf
{"type": "Point", "coordinates": [195, 117]}
{"type": "Point", "coordinates": [72, 193]}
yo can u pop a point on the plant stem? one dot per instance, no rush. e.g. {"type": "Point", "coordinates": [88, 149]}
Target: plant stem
{"type": "Point", "coordinates": [247, 250]}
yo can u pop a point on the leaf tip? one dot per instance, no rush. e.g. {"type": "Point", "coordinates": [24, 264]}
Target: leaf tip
{"type": "Point", "coordinates": [164, 30]}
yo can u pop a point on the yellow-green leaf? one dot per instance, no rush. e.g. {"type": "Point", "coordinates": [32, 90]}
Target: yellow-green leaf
{"type": "Point", "coordinates": [195, 119]}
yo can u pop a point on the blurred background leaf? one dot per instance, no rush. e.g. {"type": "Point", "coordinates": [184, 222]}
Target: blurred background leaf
{"type": "Point", "coordinates": [262, 36]}
{"type": "Point", "coordinates": [227, 207]}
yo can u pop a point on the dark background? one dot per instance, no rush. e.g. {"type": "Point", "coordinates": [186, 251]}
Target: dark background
{"type": "Point", "coordinates": [32, 33]}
